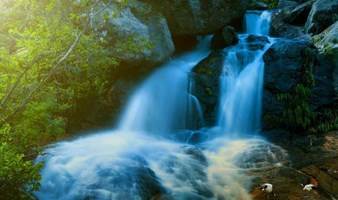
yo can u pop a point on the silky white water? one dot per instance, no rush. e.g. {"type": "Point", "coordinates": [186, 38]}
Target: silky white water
{"type": "Point", "coordinates": [257, 22]}
{"type": "Point", "coordinates": [242, 80]}
{"type": "Point", "coordinates": [161, 104]}
{"type": "Point", "coordinates": [140, 160]}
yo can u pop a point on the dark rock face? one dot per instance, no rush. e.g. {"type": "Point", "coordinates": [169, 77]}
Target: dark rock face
{"type": "Point", "coordinates": [327, 43]}
{"type": "Point", "coordinates": [323, 92]}
{"type": "Point", "coordinates": [322, 15]}
{"type": "Point", "coordinates": [299, 14]}
{"type": "Point", "coordinates": [206, 84]}
{"type": "Point", "coordinates": [184, 43]}
{"type": "Point", "coordinates": [226, 37]}
{"type": "Point", "coordinates": [201, 16]}
{"type": "Point", "coordinates": [285, 62]}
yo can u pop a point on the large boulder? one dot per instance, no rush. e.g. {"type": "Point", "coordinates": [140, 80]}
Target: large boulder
{"type": "Point", "coordinates": [206, 84]}
{"type": "Point", "coordinates": [327, 42]}
{"type": "Point", "coordinates": [283, 64]}
{"type": "Point", "coordinates": [287, 65]}
{"type": "Point", "coordinates": [198, 17]}
{"type": "Point", "coordinates": [136, 32]}
{"type": "Point", "coordinates": [226, 37]}
{"type": "Point", "coordinates": [298, 15]}
{"type": "Point", "coordinates": [280, 27]}
{"type": "Point", "coordinates": [322, 15]}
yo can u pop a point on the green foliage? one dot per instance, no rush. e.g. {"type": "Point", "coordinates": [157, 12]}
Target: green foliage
{"type": "Point", "coordinates": [297, 114]}
{"type": "Point", "coordinates": [50, 63]}
{"type": "Point", "coordinates": [328, 119]}
{"type": "Point", "coordinates": [12, 166]}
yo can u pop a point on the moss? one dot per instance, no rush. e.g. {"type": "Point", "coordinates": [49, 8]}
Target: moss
{"type": "Point", "coordinates": [204, 70]}
{"type": "Point", "coordinates": [298, 114]}
{"type": "Point", "coordinates": [208, 91]}
{"type": "Point", "coordinates": [271, 3]}
{"type": "Point", "coordinates": [328, 119]}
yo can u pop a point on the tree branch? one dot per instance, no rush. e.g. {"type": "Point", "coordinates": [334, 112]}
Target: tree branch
{"type": "Point", "coordinates": [50, 73]}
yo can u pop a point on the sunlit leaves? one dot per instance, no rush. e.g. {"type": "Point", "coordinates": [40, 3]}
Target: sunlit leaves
{"type": "Point", "coordinates": [35, 34]}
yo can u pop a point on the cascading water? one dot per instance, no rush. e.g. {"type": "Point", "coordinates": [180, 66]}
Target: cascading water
{"type": "Point", "coordinates": [257, 22]}
{"type": "Point", "coordinates": [242, 79]}
{"type": "Point", "coordinates": [132, 163]}
{"type": "Point", "coordinates": [161, 104]}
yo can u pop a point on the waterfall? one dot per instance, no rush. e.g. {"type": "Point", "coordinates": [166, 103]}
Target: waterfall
{"type": "Point", "coordinates": [242, 79]}
{"type": "Point", "coordinates": [257, 22]}
{"type": "Point", "coordinates": [161, 104]}
{"type": "Point", "coordinates": [133, 163]}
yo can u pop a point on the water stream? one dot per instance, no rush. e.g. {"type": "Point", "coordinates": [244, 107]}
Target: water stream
{"type": "Point", "coordinates": [140, 160]}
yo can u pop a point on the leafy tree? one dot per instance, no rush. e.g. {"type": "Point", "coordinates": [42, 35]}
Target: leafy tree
{"type": "Point", "coordinates": [51, 61]}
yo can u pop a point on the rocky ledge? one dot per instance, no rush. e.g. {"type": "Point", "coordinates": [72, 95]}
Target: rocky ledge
{"type": "Point", "coordinates": [313, 160]}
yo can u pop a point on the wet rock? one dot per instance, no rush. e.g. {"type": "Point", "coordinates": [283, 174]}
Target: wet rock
{"type": "Point", "coordinates": [206, 85]}
{"type": "Point", "coordinates": [322, 15]}
{"type": "Point", "coordinates": [299, 14]}
{"type": "Point", "coordinates": [326, 173]}
{"type": "Point", "coordinates": [191, 137]}
{"type": "Point", "coordinates": [287, 185]}
{"type": "Point", "coordinates": [261, 155]}
{"type": "Point", "coordinates": [256, 42]}
{"type": "Point", "coordinates": [196, 154]}
{"type": "Point", "coordinates": [199, 17]}
{"type": "Point", "coordinates": [138, 34]}
{"type": "Point", "coordinates": [226, 37]}
{"type": "Point", "coordinates": [130, 181]}
{"type": "Point", "coordinates": [187, 171]}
